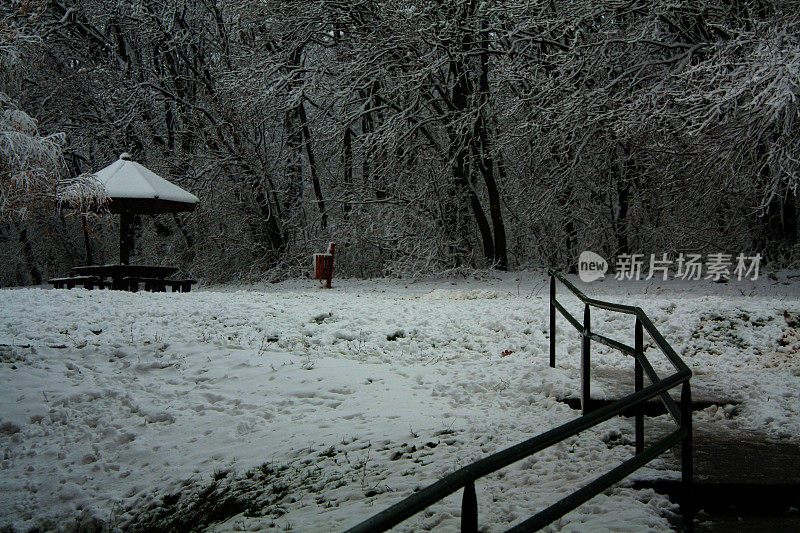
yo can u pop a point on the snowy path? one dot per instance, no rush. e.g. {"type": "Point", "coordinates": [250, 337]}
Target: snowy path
{"type": "Point", "coordinates": [114, 403]}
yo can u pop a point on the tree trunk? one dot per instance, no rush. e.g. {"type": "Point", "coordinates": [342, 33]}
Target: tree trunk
{"type": "Point", "coordinates": [269, 230]}
{"type": "Point", "coordinates": [461, 137]}
{"type": "Point", "coordinates": [87, 241]}
{"type": "Point", "coordinates": [484, 156]}
{"type": "Point", "coordinates": [780, 219]}
{"type": "Point", "coordinates": [778, 224]}
{"type": "Point", "coordinates": [187, 236]}
{"type": "Point", "coordinates": [347, 166]}
{"type": "Point", "coordinates": [312, 163]}
{"type": "Point", "coordinates": [294, 165]}
{"type": "Point", "coordinates": [372, 162]}
{"type": "Point", "coordinates": [621, 220]}
{"type": "Point", "coordinates": [27, 253]}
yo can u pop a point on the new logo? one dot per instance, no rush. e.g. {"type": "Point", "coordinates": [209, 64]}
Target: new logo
{"type": "Point", "coordinates": [591, 266]}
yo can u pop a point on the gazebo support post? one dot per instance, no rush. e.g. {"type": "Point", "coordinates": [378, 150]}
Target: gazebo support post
{"type": "Point", "coordinates": [87, 242]}
{"type": "Point", "coordinates": [125, 238]}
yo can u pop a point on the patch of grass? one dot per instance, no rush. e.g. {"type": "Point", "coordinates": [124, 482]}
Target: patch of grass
{"type": "Point", "coordinates": [191, 512]}
{"type": "Point", "coordinates": [171, 499]}
{"type": "Point", "coordinates": [330, 452]}
{"type": "Point", "coordinates": [259, 492]}
{"type": "Point", "coordinates": [792, 319]}
{"type": "Point", "coordinates": [719, 331]}
{"type": "Point", "coordinates": [280, 489]}
{"type": "Point", "coordinates": [266, 491]}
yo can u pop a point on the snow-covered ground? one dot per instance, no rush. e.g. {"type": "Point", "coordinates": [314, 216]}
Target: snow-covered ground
{"type": "Point", "coordinates": [286, 406]}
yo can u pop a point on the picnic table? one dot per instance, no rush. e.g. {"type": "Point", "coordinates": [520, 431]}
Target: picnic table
{"type": "Point", "coordinates": [129, 277]}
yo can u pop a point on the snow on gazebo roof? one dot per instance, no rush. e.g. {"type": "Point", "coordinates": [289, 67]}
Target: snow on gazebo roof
{"type": "Point", "coordinates": [135, 189]}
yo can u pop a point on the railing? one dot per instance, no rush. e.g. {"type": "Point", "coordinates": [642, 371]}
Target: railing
{"type": "Point", "coordinates": [465, 477]}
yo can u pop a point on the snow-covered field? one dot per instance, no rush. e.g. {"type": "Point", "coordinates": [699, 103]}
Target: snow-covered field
{"type": "Point", "coordinates": [293, 408]}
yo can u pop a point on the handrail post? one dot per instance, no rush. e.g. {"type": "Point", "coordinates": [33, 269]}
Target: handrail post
{"type": "Point", "coordinates": [639, 384]}
{"type": "Point", "coordinates": [469, 509]}
{"type": "Point", "coordinates": [687, 503]}
{"type": "Point", "coordinates": [585, 370]}
{"type": "Point", "coordinates": [552, 321]}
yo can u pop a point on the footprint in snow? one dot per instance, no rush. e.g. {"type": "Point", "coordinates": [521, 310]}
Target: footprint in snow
{"type": "Point", "coordinates": [213, 398]}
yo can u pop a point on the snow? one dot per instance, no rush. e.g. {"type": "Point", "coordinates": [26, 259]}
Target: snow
{"type": "Point", "coordinates": [327, 406]}
{"type": "Point", "coordinates": [128, 179]}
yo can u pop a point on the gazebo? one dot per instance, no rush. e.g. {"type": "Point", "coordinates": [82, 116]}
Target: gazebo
{"type": "Point", "coordinates": [132, 190]}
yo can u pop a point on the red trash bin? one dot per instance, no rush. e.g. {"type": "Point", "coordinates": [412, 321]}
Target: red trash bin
{"type": "Point", "coordinates": [323, 265]}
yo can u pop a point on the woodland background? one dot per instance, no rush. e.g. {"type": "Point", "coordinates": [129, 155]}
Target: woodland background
{"type": "Point", "coordinates": [421, 136]}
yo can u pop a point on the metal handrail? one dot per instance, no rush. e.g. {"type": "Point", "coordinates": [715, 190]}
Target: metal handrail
{"type": "Point", "coordinates": [643, 322]}
{"type": "Point", "coordinates": [618, 308]}
{"type": "Point", "coordinates": [466, 476]}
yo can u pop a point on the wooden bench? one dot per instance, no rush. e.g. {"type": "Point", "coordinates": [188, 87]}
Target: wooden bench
{"type": "Point", "coordinates": [88, 282]}
{"type": "Point", "coordinates": [181, 285]}
{"type": "Point", "coordinates": [159, 284]}
{"type": "Point", "coordinates": [150, 284]}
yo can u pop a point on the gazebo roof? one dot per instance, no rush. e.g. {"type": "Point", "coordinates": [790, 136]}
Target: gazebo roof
{"type": "Point", "coordinates": [132, 188]}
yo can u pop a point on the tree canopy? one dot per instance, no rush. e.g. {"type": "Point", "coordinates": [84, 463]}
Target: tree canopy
{"type": "Point", "coordinates": [419, 135]}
